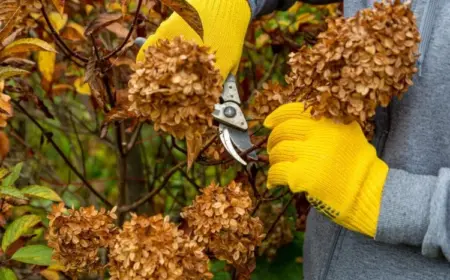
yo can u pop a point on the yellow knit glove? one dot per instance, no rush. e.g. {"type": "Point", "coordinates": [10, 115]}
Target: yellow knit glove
{"type": "Point", "coordinates": [333, 163]}
{"type": "Point", "coordinates": [225, 23]}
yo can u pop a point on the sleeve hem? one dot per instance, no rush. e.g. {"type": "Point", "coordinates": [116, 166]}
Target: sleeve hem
{"type": "Point", "coordinates": [405, 208]}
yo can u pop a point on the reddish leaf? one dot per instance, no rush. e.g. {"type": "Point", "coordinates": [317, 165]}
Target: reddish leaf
{"type": "Point", "coordinates": [4, 144]}
{"type": "Point", "coordinates": [16, 245]}
{"type": "Point", "coordinates": [188, 13]}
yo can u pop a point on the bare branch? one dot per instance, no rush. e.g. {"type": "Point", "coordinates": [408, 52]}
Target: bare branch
{"type": "Point", "coordinates": [150, 195]}
{"type": "Point", "coordinates": [61, 153]}
{"type": "Point", "coordinates": [130, 32]}
{"type": "Point", "coordinates": [57, 37]}
{"type": "Point", "coordinates": [283, 211]}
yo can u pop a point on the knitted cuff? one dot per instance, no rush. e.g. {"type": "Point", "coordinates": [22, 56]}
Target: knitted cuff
{"type": "Point", "coordinates": [363, 217]}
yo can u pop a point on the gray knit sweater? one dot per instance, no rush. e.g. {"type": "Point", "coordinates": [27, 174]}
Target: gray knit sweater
{"type": "Point", "coordinates": [413, 138]}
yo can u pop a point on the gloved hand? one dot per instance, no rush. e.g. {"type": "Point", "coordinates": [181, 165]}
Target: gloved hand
{"type": "Point", "coordinates": [333, 163]}
{"type": "Point", "coordinates": [225, 23]}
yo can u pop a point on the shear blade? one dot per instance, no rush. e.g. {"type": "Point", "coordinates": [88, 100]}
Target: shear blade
{"type": "Point", "coordinates": [241, 140]}
{"type": "Point", "coordinates": [225, 137]}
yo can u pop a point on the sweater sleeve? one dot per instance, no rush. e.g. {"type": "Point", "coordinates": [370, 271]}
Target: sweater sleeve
{"type": "Point", "coordinates": [262, 7]}
{"type": "Point", "coordinates": [415, 210]}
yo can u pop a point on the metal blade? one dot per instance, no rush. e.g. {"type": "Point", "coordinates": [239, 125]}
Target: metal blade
{"type": "Point", "coordinates": [241, 140]}
{"type": "Point", "coordinates": [225, 137]}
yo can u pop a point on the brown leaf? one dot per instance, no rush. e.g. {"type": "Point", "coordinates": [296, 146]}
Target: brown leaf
{"type": "Point", "coordinates": [188, 13]}
{"type": "Point", "coordinates": [8, 26]}
{"type": "Point", "coordinates": [4, 144]}
{"type": "Point", "coordinates": [59, 5]}
{"type": "Point", "coordinates": [193, 149]}
{"type": "Point", "coordinates": [102, 21]}
{"type": "Point", "coordinates": [117, 114]}
{"type": "Point", "coordinates": [118, 29]}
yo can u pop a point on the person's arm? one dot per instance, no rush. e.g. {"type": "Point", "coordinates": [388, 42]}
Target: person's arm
{"type": "Point", "coordinates": [262, 7]}
{"type": "Point", "coordinates": [415, 211]}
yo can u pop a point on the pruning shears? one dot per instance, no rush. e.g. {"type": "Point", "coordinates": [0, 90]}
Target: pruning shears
{"type": "Point", "coordinates": [233, 127]}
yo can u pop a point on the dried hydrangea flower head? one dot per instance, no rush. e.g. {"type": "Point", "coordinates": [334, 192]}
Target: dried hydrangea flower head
{"type": "Point", "coordinates": [77, 235]}
{"type": "Point", "coordinates": [176, 87]}
{"type": "Point", "coordinates": [271, 96]}
{"type": "Point", "coordinates": [221, 220]}
{"type": "Point", "coordinates": [154, 248]}
{"type": "Point", "coordinates": [358, 63]}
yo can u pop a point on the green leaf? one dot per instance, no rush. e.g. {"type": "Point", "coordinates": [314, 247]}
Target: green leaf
{"type": "Point", "coordinates": [222, 275]}
{"type": "Point", "coordinates": [3, 172]}
{"type": "Point", "coordinates": [34, 254]}
{"type": "Point", "coordinates": [18, 228]}
{"type": "Point", "coordinates": [8, 72]}
{"type": "Point", "coordinates": [11, 178]}
{"type": "Point", "coordinates": [41, 192]}
{"type": "Point", "coordinates": [71, 200]}
{"type": "Point", "coordinates": [218, 269]}
{"type": "Point", "coordinates": [7, 274]}
{"type": "Point", "coordinates": [284, 266]}
{"type": "Point", "coordinates": [11, 191]}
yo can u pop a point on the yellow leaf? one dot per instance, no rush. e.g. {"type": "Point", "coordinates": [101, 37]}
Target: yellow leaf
{"type": "Point", "coordinates": [46, 64]}
{"type": "Point", "coordinates": [77, 29]}
{"type": "Point", "coordinates": [58, 20]}
{"type": "Point", "coordinates": [50, 274]}
{"type": "Point", "coordinates": [114, 7]}
{"type": "Point", "coordinates": [294, 8]}
{"type": "Point", "coordinates": [26, 45]}
{"type": "Point", "coordinates": [304, 18]}
{"type": "Point", "coordinates": [59, 5]}
{"type": "Point", "coordinates": [88, 8]}
{"type": "Point", "coordinates": [56, 266]}
{"type": "Point", "coordinates": [81, 87]}
{"type": "Point", "coordinates": [8, 72]}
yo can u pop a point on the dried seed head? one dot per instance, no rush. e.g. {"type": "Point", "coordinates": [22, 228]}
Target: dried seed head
{"type": "Point", "coordinates": [77, 235]}
{"type": "Point", "coordinates": [221, 220]}
{"type": "Point", "coordinates": [176, 87]}
{"type": "Point", "coordinates": [358, 63]}
{"type": "Point", "coordinates": [270, 97]}
{"type": "Point", "coordinates": [154, 248]}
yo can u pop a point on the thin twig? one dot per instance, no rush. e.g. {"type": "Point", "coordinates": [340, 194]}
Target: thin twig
{"type": "Point", "coordinates": [175, 145]}
{"type": "Point", "coordinates": [150, 195]}
{"type": "Point", "coordinates": [277, 197]}
{"type": "Point", "coordinates": [269, 73]}
{"type": "Point", "coordinates": [82, 155]}
{"type": "Point", "coordinates": [272, 227]}
{"type": "Point", "coordinates": [120, 139]}
{"type": "Point", "coordinates": [130, 32]}
{"type": "Point", "coordinates": [57, 37]}
{"type": "Point", "coordinates": [134, 137]}
{"type": "Point", "coordinates": [190, 180]}
{"type": "Point", "coordinates": [61, 153]}
{"type": "Point", "coordinates": [242, 154]}
{"type": "Point", "coordinates": [251, 179]}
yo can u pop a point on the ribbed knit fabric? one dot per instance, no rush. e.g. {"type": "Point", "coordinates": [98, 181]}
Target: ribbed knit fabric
{"type": "Point", "coordinates": [333, 163]}
{"type": "Point", "coordinates": [225, 23]}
